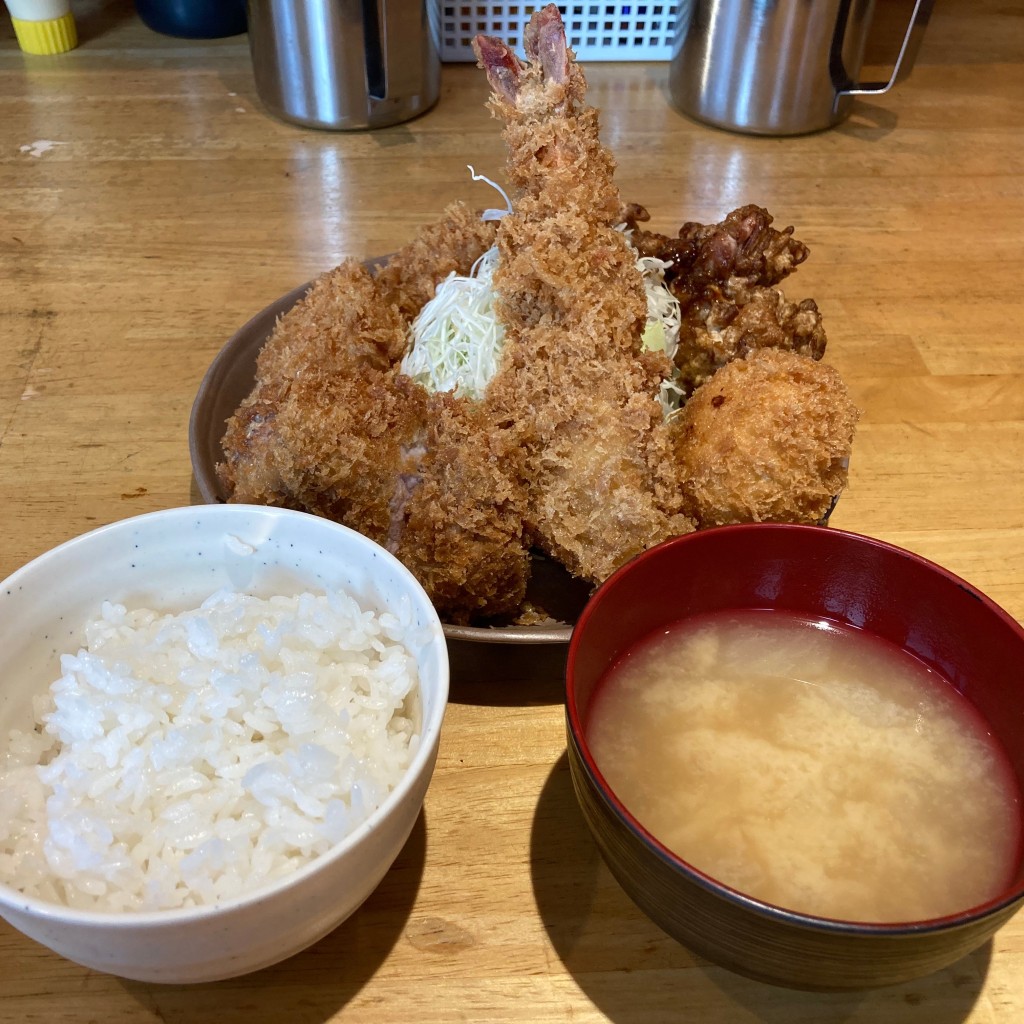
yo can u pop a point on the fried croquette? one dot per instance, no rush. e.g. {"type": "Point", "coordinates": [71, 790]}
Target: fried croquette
{"type": "Point", "coordinates": [766, 439]}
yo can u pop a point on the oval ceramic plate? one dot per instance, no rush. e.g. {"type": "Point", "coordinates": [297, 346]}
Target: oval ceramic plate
{"type": "Point", "coordinates": [229, 380]}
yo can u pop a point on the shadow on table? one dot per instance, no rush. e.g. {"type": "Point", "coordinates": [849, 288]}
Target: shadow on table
{"type": "Point", "coordinates": [868, 122]}
{"type": "Point", "coordinates": [962, 32]}
{"type": "Point", "coordinates": [635, 974]}
{"type": "Point", "coordinates": [507, 675]}
{"type": "Point", "coordinates": [315, 984]}
{"type": "Point", "coordinates": [94, 20]}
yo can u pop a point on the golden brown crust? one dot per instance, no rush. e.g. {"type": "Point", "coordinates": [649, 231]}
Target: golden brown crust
{"type": "Point", "coordinates": [451, 245]}
{"type": "Point", "coordinates": [766, 439]}
{"type": "Point", "coordinates": [332, 427]}
{"type": "Point", "coordinates": [569, 449]}
{"type": "Point", "coordinates": [341, 329]}
{"type": "Point", "coordinates": [340, 324]}
{"type": "Point", "coordinates": [713, 334]}
{"type": "Point", "coordinates": [463, 524]}
{"type": "Point", "coordinates": [573, 305]}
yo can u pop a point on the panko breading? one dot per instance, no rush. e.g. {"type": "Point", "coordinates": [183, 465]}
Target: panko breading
{"type": "Point", "coordinates": [766, 439]}
{"type": "Point", "coordinates": [450, 246]}
{"type": "Point", "coordinates": [341, 330]}
{"type": "Point", "coordinates": [567, 447]}
{"type": "Point", "coordinates": [574, 309]}
{"type": "Point", "coordinates": [340, 326]}
{"type": "Point", "coordinates": [333, 428]}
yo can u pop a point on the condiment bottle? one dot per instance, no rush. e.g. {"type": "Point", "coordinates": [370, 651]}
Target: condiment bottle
{"type": "Point", "coordinates": [44, 26]}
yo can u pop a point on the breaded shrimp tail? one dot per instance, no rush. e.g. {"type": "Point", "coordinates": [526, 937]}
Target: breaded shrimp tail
{"type": "Point", "coordinates": [555, 154]}
{"type": "Point", "coordinates": [573, 305]}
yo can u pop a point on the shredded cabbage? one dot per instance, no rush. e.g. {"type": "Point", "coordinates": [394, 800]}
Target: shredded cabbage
{"type": "Point", "coordinates": [492, 214]}
{"type": "Point", "coordinates": [671, 397]}
{"type": "Point", "coordinates": [662, 331]}
{"type": "Point", "coordinates": [456, 339]}
{"type": "Point", "coordinates": [455, 342]}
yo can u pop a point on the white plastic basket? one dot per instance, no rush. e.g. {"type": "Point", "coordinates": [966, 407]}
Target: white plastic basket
{"type": "Point", "coordinates": [596, 31]}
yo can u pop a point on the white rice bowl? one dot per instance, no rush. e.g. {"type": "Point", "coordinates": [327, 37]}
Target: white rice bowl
{"type": "Point", "coordinates": [225, 763]}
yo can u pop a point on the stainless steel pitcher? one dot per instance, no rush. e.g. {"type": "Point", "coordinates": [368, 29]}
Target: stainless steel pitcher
{"type": "Point", "coordinates": [778, 67]}
{"type": "Point", "coordinates": [345, 64]}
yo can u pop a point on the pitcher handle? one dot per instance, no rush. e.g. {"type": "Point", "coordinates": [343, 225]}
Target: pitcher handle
{"type": "Point", "coordinates": [404, 34]}
{"type": "Point", "coordinates": [904, 60]}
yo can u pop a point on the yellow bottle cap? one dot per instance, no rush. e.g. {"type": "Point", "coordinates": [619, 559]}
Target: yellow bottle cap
{"type": "Point", "coordinates": [56, 35]}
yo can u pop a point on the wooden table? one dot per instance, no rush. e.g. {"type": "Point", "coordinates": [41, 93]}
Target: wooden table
{"type": "Point", "coordinates": [149, 206]}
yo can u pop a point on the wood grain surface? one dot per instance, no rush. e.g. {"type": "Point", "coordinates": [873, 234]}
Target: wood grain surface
{"type": "Point", "coordinates": [149, 206]}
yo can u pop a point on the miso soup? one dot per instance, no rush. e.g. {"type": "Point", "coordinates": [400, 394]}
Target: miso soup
{"type": "Point", "coordinates": [810, 766]}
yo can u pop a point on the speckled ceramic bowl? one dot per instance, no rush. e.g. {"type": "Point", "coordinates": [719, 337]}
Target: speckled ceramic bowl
{"type": "Point", "coordinates": [170, 561]}
{"type": "Point", "coordinates": [814, 572]}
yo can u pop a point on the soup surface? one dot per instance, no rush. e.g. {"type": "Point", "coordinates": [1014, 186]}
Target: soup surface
{"type": "Point", "coordinates": [809, 766]}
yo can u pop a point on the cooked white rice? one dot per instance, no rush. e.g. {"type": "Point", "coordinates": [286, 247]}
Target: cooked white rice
{"type": "Point", "coordinates": [181, 760]}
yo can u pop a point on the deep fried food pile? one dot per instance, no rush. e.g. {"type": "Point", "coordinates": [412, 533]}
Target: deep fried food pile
{"type": "Point", "coordinates": [332, 427]}
{"type": "Point", "coordinates": [569, 449]}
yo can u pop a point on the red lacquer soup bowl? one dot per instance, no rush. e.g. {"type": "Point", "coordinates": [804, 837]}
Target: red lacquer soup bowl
{"type": "Point", "coordinates": [814, 572]}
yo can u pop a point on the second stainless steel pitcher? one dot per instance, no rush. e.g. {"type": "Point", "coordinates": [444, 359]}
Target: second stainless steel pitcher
{"type": "Point", "coordinates": [345, 64]}
{"type": "Point", "coordinates": [778, 67]}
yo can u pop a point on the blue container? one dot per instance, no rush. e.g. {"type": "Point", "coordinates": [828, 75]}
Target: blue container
{"type": "Point", "coordinates": [194, 19]}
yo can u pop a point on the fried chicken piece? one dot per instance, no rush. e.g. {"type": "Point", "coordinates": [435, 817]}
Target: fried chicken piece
{"type": "Point", "coordinates": [326, 429]}
{"type": "Point", "coordinates": [766, 439]}
{"type": "Point", "coordinates": [741, 251]}
{"type": "Point", "coordinates": [573, 306]}
{"type": "Point", "coordinates": [712, 332]}
{"type": "Point", "coordinates": [452, 245]}
{"type": "Point", "coordinates": [724, 276]}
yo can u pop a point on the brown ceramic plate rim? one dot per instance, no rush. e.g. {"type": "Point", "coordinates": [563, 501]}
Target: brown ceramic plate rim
{"type": "Point", "coordinates": [228, 379]}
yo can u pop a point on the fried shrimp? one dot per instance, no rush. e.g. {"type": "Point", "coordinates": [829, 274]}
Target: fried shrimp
{"type": "Point", "coordinates": [573, 306]}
